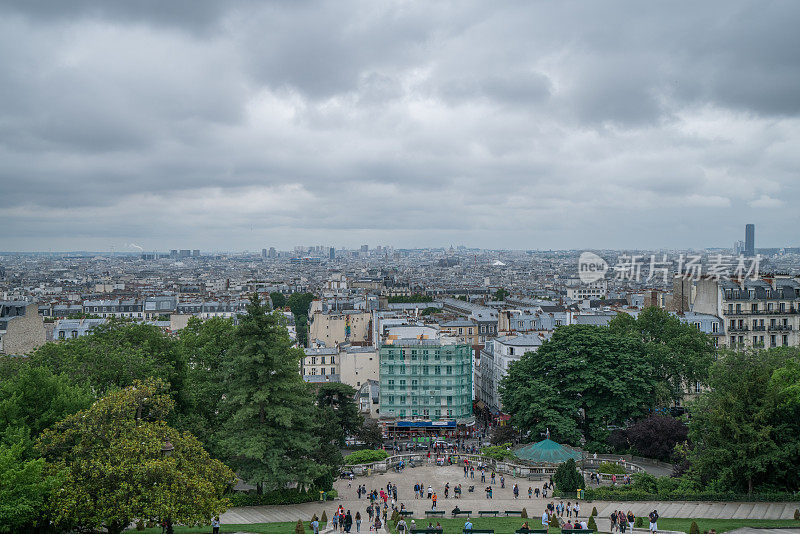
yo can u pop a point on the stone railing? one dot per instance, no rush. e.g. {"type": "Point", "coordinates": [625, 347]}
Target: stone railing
{"type": "Point", "coordinates": [537, 472]}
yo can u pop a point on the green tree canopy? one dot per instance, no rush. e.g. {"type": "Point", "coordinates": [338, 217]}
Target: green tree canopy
{"type": "Point", "coordinates": [25, 487]}
{"type": "Point", "coordinates": [278, 300]}
{"type": "Point", "coordinates": [268, 431]}
{"type": "Point", "coordinates": [501, 294]}
{"type": "Point", "coordinates": [679, 352]}
{"type": "Point", "coordinates": [116, 469]}
{"type": "Point", "coordinates": [746, 428]}
{"type": "Point", "coordinates": [580, 381]}
{"type": "Point", "coordinates": [205, 345]}
{"type": "Point", "coordinates": [115, 355]}
{"type": "Point", "coordinates": [35, 399]}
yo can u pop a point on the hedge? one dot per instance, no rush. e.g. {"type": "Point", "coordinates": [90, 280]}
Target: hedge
{"type": "Point", "coordinates": [288, 496]}
{"type": "Point", "coordinates": [617, 494]}
{"type": "Point", "coordinates": [365, 456]}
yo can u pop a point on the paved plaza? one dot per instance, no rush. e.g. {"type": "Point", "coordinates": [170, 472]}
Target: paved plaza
{"type": "Point", "coordinates": [503, 499]}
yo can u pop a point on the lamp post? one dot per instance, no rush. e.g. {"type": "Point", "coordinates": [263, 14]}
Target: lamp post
{"type": "Point", "coordinates": [166, 451]}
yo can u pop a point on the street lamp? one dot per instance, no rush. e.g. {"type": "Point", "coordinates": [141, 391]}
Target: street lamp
{"type": "Point", "coordinates": [167, 449]}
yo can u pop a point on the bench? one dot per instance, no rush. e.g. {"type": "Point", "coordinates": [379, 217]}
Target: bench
{"type": "Point", "coordinates": [478, 531]}
{"type": "Point", "coordinates": [406, 513]}
{"type": "Point", "coordinates": [460, 513]}
{"type": "Point", "coordinates": [513, 512]}
{"type": "Point", "coordinates": [426, 531]}
{"type": "Point", "coordinates": [483, 513]}
{"type": "Point", "coordinates": [530, 531]}
{"type": "Point", "coordinates": [576, 530]}
{"type": "Point", "coordinates": [434, 513]}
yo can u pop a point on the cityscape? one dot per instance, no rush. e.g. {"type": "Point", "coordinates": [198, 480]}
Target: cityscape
{"type": "Point", "coordinates": [400, 267]}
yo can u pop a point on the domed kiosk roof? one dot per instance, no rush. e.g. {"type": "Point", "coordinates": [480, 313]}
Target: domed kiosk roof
{"type": "Point", "coordinates": [547, 451]}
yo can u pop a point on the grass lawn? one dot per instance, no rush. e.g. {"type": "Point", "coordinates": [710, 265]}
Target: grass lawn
{"type": "Point", "coordinates": [722, 525]}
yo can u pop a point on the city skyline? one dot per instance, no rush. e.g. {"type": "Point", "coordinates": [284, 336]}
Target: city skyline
{"type": "Point", "coordinates": [235, 125]}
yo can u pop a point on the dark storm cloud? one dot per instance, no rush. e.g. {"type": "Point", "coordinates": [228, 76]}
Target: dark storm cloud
{"type": "Point", "coordinates": [521, 124]}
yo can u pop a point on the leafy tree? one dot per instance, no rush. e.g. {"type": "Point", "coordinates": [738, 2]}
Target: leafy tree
{"type": "Point", "coordinates": [580, 381]}
{"type": "Point", "coordinates": [430, 310]}
{"type": "Point", "coordinates": [746, 428]}
{"type": "Point", "coordinates": [504, 434]}
{"type": "Point", "coordinates": [300, 303]}
{"type": "Point", "coordinates": [592, 524]}
{"type": "Point", "coordinates": [501, 294]}
{"type": "Point", "coordinates": [370, 433]}
{"type": "Point", "coordinates": [116, 469]}
{"type": "Point", "coordinates": [115, 355]}
{"type": "Point", "coordinates": [679, 353]}
{"type": "Point", "coordinates": [409, 299]}
{"type": "Point", "coordinates": [498, 452]}
{"type": "Point", "coordinates": [567, 478]}
{"type": "Point", "coordinates": [25, 487]}
{"type": "Point", "coordinates": [339, 399]}
{"type": "Point", "coordinates": [269, 431]}
{"type": "Point", "coordinates": [35, 399]}
{"type": "Point", "coordinates": [656, 436]}
{"type": "Point", "coordinates": [299, 528]}
{"type": "Point", "coordinates": [278, 300]}
{"type": "Point", "coordinates": [205, 345]}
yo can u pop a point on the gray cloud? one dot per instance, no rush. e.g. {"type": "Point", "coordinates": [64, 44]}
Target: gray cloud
{"type": "Point", "coordinates": [553, 125]}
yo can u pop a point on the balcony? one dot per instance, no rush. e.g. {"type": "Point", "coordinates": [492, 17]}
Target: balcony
{"type": "Point", "coordinates": [780, 327]}
{"type": "Point", "coordinates": [788, 311]}
{"type": "Point", "coordinates": [738, 329]}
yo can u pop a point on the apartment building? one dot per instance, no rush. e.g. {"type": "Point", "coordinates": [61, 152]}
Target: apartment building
{"type": "Point", "coordinates": [427, 379]}
{"type": "Point", "coordinates": [759, 313]}
{"type": "Point", "coordinates": [351, 365]}
{"type": "Point", "coordinates": [495, 359]}
{"type": "Point", "coordinates": [339, 327]}
{"type": "Point", "coordinates": [74, 328]}
{"type": "Point", "coordinates": [21, 327]}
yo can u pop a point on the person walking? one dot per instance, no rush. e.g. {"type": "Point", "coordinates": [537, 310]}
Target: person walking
{"type": "Point", "coordinates": [348, 522]}
{"type": "Point", "coordinates": [502, 481]}
{"type": "Point", "coordinates": [315, 526]}
{"type": "Point", "coordinates": [358, 521]}
{"type": "Point", "coordinates": [433, 502]}
{"type": "Point", "coordinates": [215, 525]}
{"type": "Point", "coordinates": [516, 491]}
{"type": "Point", "coordinates": [653, 516]}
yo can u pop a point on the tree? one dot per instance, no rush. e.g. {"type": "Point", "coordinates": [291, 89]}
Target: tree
{"type": "Point", "coordinates": [501, 294]}
{"type": "Point", "coordinates": [117, 466]}
{"type": "Point", "coordinates": [430, 310]}
{"type": "Point", "coordinates": [278, 300]}
{"type": "Point", "coordinates": [656, 436]}
{"type": "Point", "coordinates": [115, 355]}
{"type": "Point", "coordinates": [680, 353]}
{"type": "Point", "coordinates": [269, 434]}
{"type": "Point", "coordinates": [567, 478]}
{"type": "Point", "coordinates": [580, 381]}
{"type": "Point", "coordinates": [35, 399]}
{"type": "Point", "coordinates": [746, 428]}
{"type": "Point", "coordinates": [370, 433]}
{"type": "Point", "coordinates": [25, 487]}
{"type": "Point", "coordinates": [300, 303]}
{"type": "Point", "coordinates": [205, 345]}
{"type": "Point", "coordinates": [340, 400]}
{"type": "Point", "coordinates": [504, 434]}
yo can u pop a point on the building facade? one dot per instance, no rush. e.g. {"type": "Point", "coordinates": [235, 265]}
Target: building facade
{"type": "Point", "coordinates": [21, 328]}
{"type": "Point", "coordinates": [426, 379]}
{"type": "Point", "coordinates": [496, 357]}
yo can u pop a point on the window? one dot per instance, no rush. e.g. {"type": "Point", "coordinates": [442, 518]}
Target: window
{"type": "Point", "coordinates": [333, 358]}
{"type": "Point", "coordinates": [714, 327]}
{"type": "Point", "coordinates": [313, 360]}
{"type": "Point", "coordinates": [333, 370]}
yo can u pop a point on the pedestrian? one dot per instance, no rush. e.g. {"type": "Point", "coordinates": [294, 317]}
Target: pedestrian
{"type": "Point", "coordinates": [545, 520]}
{"type": "Point", "coordinates": [358, 522]}
{"type": "Point", "coordinates": [430, 492]}
{"type": "Point", "coordinates": [569, 509]}
{"type": "Point", "coordinates": [468, 525]}
{"type": "Point", "coordinates": [215, 525]}
{"type": "Point", "coordinates": [631, 519]}
{"type": "Point", "coordinates": [315, 526]}
{"type": "Point", "coordinates": [416, 491]}
{"type": "Point", "coordinates": [433, 502]}
{"type": "Point", "coordinates": [516, 491]}
{"type": "Point", "coordinates": [536, 492]}
{"type": "Point", "coordinates": [576, 508]}
{"type": "Point", "coordinates": [401, 526]}
{"type": "Point", "coordinates": [348, 522]}
{"type": "Point", "coordinates": [613, 519]}
{"type": "Point", "coordinates": [502, 481]}
{"type": "Point", "coordinates": [530, 492]}
{"type": "Point", "coordinates": [653, 516]}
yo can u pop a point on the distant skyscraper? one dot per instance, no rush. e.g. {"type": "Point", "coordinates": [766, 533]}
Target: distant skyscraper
{"type": "Point", "coordinates": [365, 248]}
{"type": "Point", "coordinates": [332, 253]}
{"type": "Point", "coordinates": [750, 240]}
{"type": "Point", "coordinates": [272, 252]}
{"type": "Point", "coordinates": [196, 253]}
{"type": "Point", "coordinates": [263, 253]}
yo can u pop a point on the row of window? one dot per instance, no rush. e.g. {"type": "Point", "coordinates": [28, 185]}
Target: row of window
{"type": "Point", "coordinates": [322, 371]}
{"type": "Point", "coordinates": [322, 360]}
{"type": "Point", "coordinates": [754, 307]}
{"type": "Point", "coordinates": [758, 341]}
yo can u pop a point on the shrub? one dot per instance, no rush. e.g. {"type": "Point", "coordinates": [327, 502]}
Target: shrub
{"type": "Point", "coordinates": [797, 514]}
{"type": "Point", "coordinates": [498, 452]}
{"type": "Point", "coordinates": [314, 517]}
{"type": "Point", "coordinates": [594, 511]}
{"type": "Point", "coordinates": [567, 477]}
{"type": "Point", "coordinates": [395, 516]}
{"type": "Point", "coordinates": [694, 529]}
{"type": "Point", "coordinates": [284, 496]}
{"type": "Point", "coordinates": [299, 528]}
{"type": "Point", "coordinates": [140, 525]}
{"type": "Point", "coordinates": [554, 522]}
{"type": "Point", "coordinates": [611, 468]}
{"type": "Point", "coordinates": [324, 519]}
{"type": "Point", "coordinates": [524, 513]}
{"type": "Point", "coordinates": [331, 494]}
{"type": "Point", "coordinates": [365, 456]}
{"type": "Point", "coordinates": [592, 524]}
{"type": "Point", "coordinates": [639, 523]}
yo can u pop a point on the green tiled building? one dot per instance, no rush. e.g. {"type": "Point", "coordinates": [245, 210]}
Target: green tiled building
{"type": "Point", "coordinates": [426, 379]}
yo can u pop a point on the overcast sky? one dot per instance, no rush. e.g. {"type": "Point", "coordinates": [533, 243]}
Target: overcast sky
{"type": "Point", "coordinates": [242, 125]}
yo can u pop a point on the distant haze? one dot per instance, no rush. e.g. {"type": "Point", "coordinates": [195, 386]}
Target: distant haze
{"type": "Point", "coordinates": [239, 125]}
